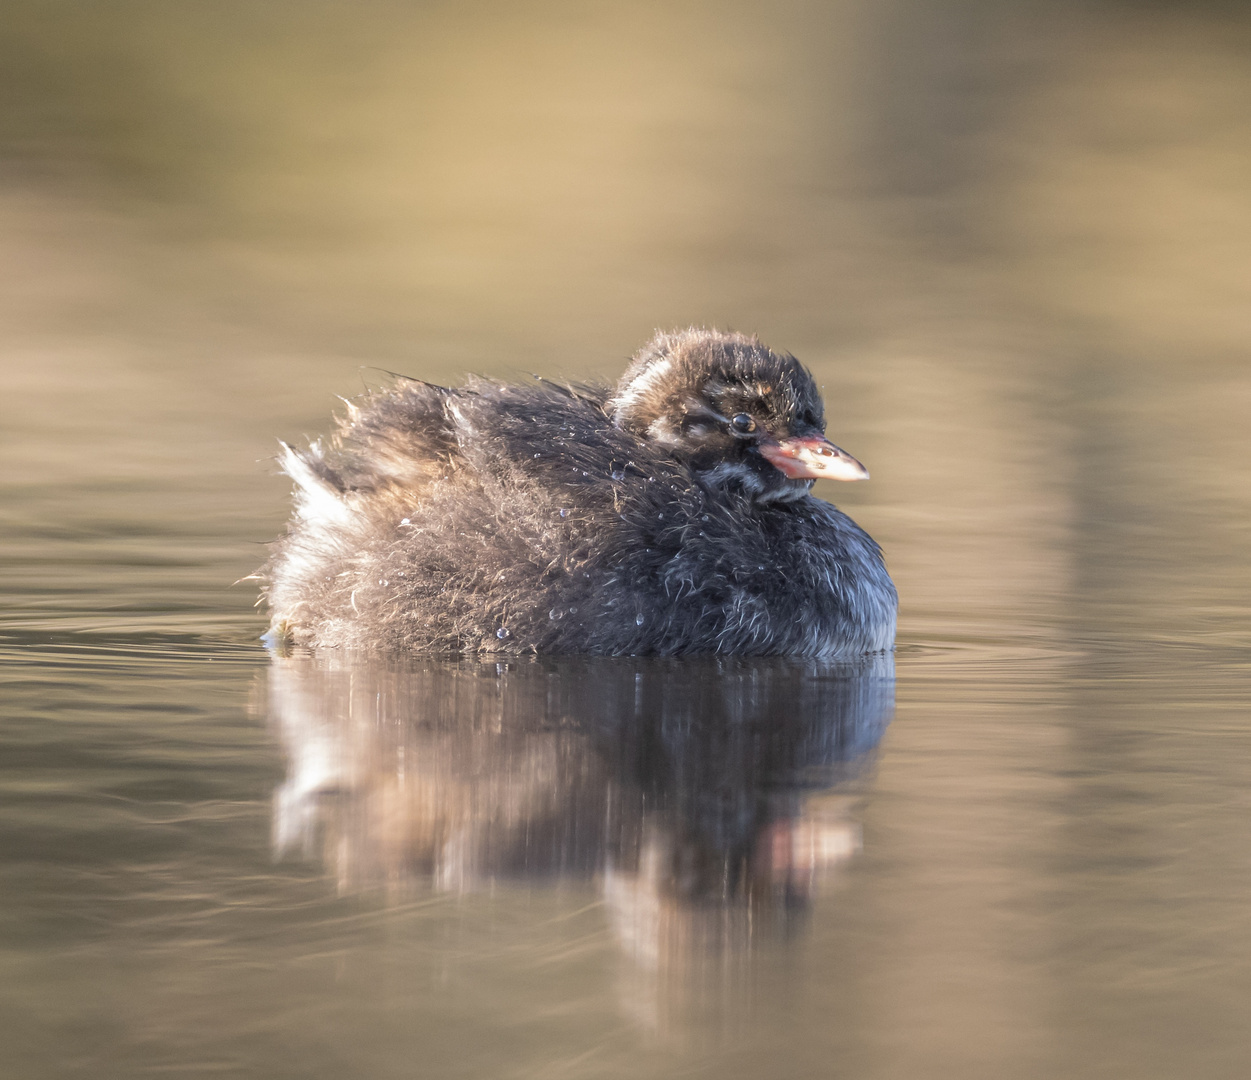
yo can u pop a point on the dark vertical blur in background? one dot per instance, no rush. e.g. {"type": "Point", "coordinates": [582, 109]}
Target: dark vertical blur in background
{"type": "Point", "coordinates": [1013, 240]}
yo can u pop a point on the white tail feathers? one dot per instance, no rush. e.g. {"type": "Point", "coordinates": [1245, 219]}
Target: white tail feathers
{"type": "Point", "coordinates": [316, 500]}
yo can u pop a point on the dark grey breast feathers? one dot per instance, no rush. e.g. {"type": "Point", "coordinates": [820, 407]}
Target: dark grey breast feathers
{"type": "Point", "coordinates": [668, 516]}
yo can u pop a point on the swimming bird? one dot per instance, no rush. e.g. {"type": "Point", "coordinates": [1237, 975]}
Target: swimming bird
{"type": "Point", "coordinates": [669, 515]}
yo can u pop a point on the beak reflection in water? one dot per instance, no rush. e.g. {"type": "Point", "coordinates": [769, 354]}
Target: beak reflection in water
{"type": "Point", "coordinates": [705, 799]}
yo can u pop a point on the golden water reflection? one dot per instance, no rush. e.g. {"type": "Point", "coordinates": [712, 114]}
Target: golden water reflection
{"type": "Point", "coordinates": [1011, 240]}
{"type": "Point", "coordinates": [706, 800]}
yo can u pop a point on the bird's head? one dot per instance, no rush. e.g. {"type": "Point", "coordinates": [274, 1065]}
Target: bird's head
{"type": "Point", "coordinates": [738, 414]}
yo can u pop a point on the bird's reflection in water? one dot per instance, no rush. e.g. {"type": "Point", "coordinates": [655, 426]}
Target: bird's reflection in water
{"type": "Point", "coordinates": [705, 797]}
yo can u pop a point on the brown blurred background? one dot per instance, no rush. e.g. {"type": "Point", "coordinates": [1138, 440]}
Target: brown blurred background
{"type": "Point", "coordinates": [1013, 239]}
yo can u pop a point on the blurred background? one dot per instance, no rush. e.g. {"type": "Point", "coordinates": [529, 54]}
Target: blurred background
{"type": "Point", "coordinates": [1012, 240]}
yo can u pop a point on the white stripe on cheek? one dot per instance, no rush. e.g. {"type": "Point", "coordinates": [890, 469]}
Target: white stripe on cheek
{"type": "Point", "coordinates": [641, 385]}
{"type": "Point", "coordinates": [664, 432]}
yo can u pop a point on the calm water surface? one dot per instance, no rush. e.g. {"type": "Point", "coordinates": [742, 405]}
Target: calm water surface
{"type": "Point", "coordinates": [1013, 243]}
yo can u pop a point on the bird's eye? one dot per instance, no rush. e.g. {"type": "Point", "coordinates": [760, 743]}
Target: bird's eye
{"type": "Point", "coordinates": [743, 423]}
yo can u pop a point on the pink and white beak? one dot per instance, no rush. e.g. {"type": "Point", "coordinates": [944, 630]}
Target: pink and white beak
{"type": "Point", "coordinates": [812, 457]}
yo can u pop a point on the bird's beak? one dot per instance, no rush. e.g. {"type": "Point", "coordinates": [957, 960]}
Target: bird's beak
{"type": "Point", "coordinates": [812, 457]}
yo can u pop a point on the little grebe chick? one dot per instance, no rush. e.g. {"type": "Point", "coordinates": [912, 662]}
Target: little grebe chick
{"type": "Point", "coordinates": [671, 515]}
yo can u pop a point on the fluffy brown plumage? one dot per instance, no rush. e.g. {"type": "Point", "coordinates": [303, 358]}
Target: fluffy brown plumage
{"type": "Point", "coordinates": [668, 516]}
